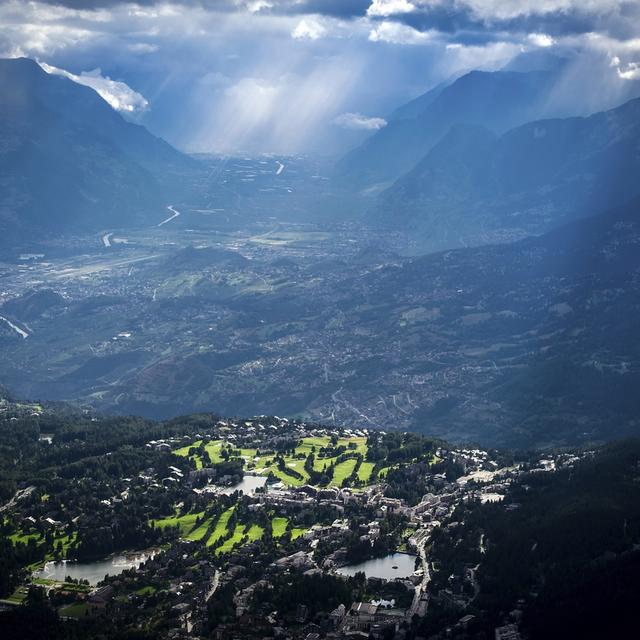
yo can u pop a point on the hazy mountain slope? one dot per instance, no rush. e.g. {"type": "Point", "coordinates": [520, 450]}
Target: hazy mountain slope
{"type": "Point", "coordinates": [474, 187]}
{"type": "Point", "coordinates": [68, 161]}
{"type": "Point", "coordinates": [498, 100]}
{"type": "Point", "coordinates": [543, 331]}
{"type": "Point", "coordinates": [414, 108]}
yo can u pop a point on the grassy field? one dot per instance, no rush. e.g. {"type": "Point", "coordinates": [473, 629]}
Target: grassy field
{"type": "Point", "coordinates": [264, 464]}
{"type": "Point", "coordinates": [233, 541]}
{"type": "Point", "coordinates": [24, 538]}
{"type": "Point", "coordinates": [68, 586]}
{"type": "Point", "coordinates": [279, 526]}
{"type": "Point", "coordinates": [18, 596]}
{"type": "Point", "coordinates": [220, 529]}
{"type": "Point", "coordinates": [308, 444]}
{"type": "Point", "coordinates": [199, 532]}
{"type": "Point", "coordinates": [255, 532]}
{"type": "Point", "coordinates": [365, 470]}
{"type": "Point", "coordinates": [342, 470]}
{"type": "Point", "coordinates": [185, 522]}
{"type": "Point", "coordinates": [76, 610]}
{"type": "Point", "coordinates": [213, 449]}
{"type": "Point", "coordinates": [66, 541]}
{"type": "Point", "coordinates": [184, 451]}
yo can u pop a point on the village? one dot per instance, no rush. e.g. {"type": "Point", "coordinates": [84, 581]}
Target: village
{"type": "Point", "coordinates": [262, 504]}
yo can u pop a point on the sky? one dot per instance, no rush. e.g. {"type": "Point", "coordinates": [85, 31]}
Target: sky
{"type": "Point", "coordinates": [298, 76]}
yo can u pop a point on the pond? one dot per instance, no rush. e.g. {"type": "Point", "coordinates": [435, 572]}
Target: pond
{"type": "Point", "coordinates": [95, 571]}
{"type": "Point", "coordinates": [394, 565]}
{"type": "Point", "coordinates": [248, 485]}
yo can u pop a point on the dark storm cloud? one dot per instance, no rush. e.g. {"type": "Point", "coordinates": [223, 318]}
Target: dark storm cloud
{"type": "Point", "coordinates": [620, 19]}
{"type": "Point", "coordinates": [335, 8]}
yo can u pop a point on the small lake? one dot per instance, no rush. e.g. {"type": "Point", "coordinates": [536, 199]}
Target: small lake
{"type": "Point", "coordinates": [248, 485]}
{"type": "Point", "coordinates": [94, 572]}
{"type": "Point", "coordinates": [383, 567]}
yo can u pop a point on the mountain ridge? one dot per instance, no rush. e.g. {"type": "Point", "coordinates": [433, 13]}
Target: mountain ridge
{"type": "Point", "coordinates": [497, 100]}
{"type": "Point", "coordinates": [70, 161]}
{"type": "Point", "coordinates": [475, 187]}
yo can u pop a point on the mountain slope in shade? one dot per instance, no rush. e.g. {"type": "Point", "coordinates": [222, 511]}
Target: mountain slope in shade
{"type": "Point", "coordinates": [498, 100]}
{"type": "Point", "coordinates": [68, 161]}
{"type": "Point", "coordinates": [475, 187]}
{"type": "Point", "coordinates": [544, 332]}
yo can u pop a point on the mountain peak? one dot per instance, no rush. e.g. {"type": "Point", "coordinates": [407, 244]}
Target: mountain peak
{"type": "Point", "coordinates": [498, 100]}
{"type": "Point", "coordinates": [66, 145]}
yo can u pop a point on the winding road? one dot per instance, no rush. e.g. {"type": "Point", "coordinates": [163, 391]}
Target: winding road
{"type": "Point", "coordinates": [174, 214]}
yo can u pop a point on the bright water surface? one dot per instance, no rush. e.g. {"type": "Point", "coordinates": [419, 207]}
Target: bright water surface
{"type": "Point", "coordinates": [248, 485]}
{"type": "Point", "coordinates": [383, 567]}
{"type": "Point", "coordinates": [94, 572]}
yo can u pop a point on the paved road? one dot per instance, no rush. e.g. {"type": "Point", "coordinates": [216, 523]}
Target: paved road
{"type": "Point", "coordinates": [420, 598]}
{"type": "Point", "coordinates": [23, 493]}
{"type": "Point", "coordinates": [15, 327]}
{"type": "Point", "coordinates": [215, 581]}
{"type": "Point", "coordinates": [174, 214]}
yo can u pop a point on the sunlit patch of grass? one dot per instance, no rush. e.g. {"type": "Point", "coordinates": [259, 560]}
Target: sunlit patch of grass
{"type": "Point", "coordinates": [233, 541]}
{"type": "Point", "coordinates": [255, 532]}
{"type": "Point", "coordinates": [279, 526]}
{"type": "Point", "coordinates": [221, 527]}
{"type": "Point", "coordinates": [296, 532]}
{"type": "Point", "coordinates": [343, 470]}
{"type": "Point", "coordinates": [185, 522]}
{"type": "Point", "coordinates": [365, 470]}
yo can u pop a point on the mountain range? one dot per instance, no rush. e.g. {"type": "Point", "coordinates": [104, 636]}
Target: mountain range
{"type": "Point", "coordinates": [69, 162]}
{"type": "Point", "coordinates": [476, 187]}
{"type": "Point", "coordinates": [497, 100]}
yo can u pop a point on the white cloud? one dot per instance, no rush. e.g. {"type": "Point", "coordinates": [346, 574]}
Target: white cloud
{"type": "Point", "coordinates": [510, 9]}
{"type": "Point", "coordinates": [308, 29]}
{"type": "Point", "coordinates": [255, 6]}
{"type": "Point", "coordinates": [629, 71]}
{"type": "Point", "coordinates": [398, 33]}
{"type": "Point", "coordinates": [14, 51]}
{"type": "Point", "coordinates": [541, 39]}
{"type": "Point", "coordinates": [490, 56]}
{"type": "Point", "coordinates": [119, 95]}
{"type": "Point", "coordinates": [358, 121]}
{"type": "Point", "coordinates": [386, 8]}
